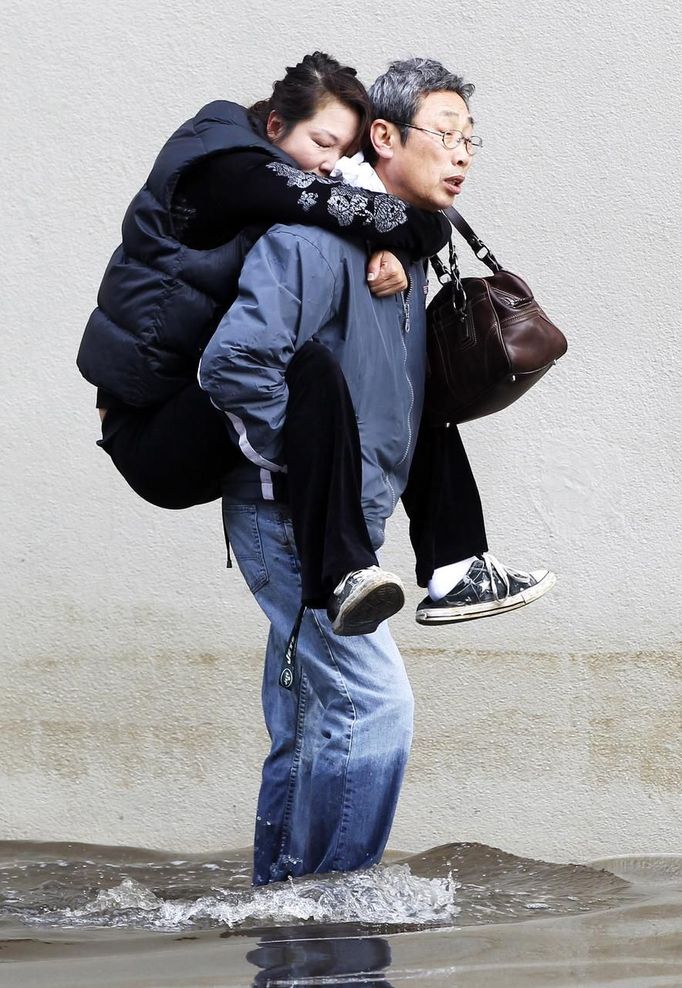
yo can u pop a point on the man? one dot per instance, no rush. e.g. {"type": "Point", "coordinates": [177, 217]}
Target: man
{"type": "Point", "coordinates": [338, 710]}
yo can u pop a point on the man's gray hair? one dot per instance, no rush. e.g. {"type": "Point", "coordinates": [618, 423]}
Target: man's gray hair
{"type": "Point", "coordinates": [397, 94]}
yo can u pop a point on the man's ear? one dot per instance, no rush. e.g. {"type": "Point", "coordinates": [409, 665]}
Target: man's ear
{"type": "Point", "coordinates": [383, 136]}
{"type": "Point", "coordinates": [274, 128]}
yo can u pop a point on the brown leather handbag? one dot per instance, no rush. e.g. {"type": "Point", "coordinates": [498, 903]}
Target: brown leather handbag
{"type": "Point", "coordinates": [488, 340]}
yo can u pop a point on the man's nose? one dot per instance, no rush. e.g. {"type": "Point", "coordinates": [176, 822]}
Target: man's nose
{"type": "Point", "coordinates": [461, 155]}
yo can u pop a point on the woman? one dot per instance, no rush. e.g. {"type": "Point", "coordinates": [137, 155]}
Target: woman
{"type": "Point", "coordinates": [176, 272]}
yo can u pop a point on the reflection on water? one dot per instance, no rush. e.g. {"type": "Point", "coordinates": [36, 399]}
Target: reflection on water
{"type": "Point", "coordinates": [461, 914]}
{"type": "Point", "coordinates": [341, 961]}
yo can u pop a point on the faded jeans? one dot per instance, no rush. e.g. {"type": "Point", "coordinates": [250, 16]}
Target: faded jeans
{"type": "Point", "coordinates": [339, 738]}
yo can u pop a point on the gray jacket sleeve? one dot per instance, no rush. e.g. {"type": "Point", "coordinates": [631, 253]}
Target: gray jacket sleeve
{"type": "Point", "coordinates": [286, 293]}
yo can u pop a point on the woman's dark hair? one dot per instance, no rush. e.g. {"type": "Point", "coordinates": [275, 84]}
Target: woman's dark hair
{"type": "Point", "coordinates": [307, 86]}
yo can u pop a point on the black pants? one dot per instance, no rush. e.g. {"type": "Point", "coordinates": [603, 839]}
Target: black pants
{"type": "Point", "coordinates": [442, 502]}
{"type": "Point", "coordinates": [176, 454]}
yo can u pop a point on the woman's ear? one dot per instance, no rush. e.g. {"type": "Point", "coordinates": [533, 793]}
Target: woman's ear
{"type": "Point", "coordinates": [383, 136]}
{"type": "Point", "coordinates": [274, 128]}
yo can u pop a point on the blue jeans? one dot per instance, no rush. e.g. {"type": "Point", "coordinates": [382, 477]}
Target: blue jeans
{"type": "Point", "coordinates": [340, 737]}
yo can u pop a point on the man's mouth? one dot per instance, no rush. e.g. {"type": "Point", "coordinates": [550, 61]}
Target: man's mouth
{"type": "Point", "coordinates": [454, 184]}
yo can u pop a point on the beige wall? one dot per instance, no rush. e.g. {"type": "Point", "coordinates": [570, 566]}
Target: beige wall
{"type": "Point", "coordinates": [131, 659]}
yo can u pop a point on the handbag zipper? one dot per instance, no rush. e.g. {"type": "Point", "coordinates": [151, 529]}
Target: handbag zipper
{"type": "Point", "coordinates": [511, 299]}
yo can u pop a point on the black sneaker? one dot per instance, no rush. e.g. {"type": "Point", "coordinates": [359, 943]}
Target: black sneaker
{"type": "Point", "coordinates": [364, 599]}
{"type": "Point", "coordinates": [488, 588]}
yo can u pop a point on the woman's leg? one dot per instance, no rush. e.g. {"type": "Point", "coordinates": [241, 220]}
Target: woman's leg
{"type": "Point", "coordinates": [448, 534]}
{"type": "Point", "coordinates": [442, 502]}
{"type": "Point", "coordinates": [324, 474]}
{"type": "Point", "coordinates": [175, 454]}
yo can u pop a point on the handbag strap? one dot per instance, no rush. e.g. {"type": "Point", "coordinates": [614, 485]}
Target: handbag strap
{"type": "Point", "coordinates": [482, 252]}
{"type": "Point", "coordinates": [458, 296]}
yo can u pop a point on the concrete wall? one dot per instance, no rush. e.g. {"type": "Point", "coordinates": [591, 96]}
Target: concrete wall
{"type": "Point", "coordinates": [131, 659]}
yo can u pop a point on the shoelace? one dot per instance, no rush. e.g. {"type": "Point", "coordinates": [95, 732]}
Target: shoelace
{"type": "Point", "coordinates": [495, 568]}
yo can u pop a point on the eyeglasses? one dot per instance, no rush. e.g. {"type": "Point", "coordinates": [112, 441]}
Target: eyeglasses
{"type": "Point", "coordinates": [450, 138]}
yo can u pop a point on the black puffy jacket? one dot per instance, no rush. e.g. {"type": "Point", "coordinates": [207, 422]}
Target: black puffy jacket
{"type": "Point", "coordinates": [160, 300]}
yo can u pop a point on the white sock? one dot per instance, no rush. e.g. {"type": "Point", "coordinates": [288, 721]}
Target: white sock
{"type": "Point", "coordinates": [445, 578]}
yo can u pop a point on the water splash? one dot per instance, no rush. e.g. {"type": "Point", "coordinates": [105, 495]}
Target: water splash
{"type": "Point", "coordinates": [457, 884]}
{"type": "Point", "coordinates": [380, 896]}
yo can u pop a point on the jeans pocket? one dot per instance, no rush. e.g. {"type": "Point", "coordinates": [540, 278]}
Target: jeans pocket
{"type": "Point", "coordinates": [241, 528]}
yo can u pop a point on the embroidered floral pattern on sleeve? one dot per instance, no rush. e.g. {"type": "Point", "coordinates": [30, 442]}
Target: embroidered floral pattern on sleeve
{"type": "Point", "coordinates": [307, 200]}
{"type": "Point", "coordinates": [346, 204]}
{"type": "Point", "coordinates": [295, 178]}
{"type": "Point", "coordinates": [388, 214]}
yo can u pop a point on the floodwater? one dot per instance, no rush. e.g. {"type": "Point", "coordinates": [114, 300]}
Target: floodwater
{"type": "Point", "coordinates": [464, 915]}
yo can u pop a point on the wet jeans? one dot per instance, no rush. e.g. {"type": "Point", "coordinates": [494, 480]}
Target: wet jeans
{"type": "Point", "coordinates": [339, 738]}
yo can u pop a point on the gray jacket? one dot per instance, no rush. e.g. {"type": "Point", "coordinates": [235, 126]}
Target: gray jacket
{"type": "Point", "coordinates": [303, 282]}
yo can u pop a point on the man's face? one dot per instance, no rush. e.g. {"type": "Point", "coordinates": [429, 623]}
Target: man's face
{"type": "Point", "coordinates": [423, 171]}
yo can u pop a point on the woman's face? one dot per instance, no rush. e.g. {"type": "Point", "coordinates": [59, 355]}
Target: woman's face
{"type": "Point", "coordinates": [317, 144]}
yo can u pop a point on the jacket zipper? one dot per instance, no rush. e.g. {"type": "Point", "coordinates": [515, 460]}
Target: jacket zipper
{"type": "Point", "coordinates": [405, 298]}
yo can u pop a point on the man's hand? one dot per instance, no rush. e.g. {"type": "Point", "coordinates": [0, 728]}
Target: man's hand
{"type": "Point", "coordinates": [385, 274]}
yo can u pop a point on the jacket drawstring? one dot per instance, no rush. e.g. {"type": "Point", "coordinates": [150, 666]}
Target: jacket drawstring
{"type": "Point", "coordinates": [288, 673]}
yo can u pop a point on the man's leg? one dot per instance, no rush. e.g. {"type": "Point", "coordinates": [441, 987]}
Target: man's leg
{"type": "Point", "coordinates": [339, 738]}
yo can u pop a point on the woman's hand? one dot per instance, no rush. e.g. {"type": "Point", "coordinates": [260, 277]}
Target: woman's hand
{"type": "Point", "coordinates": [385, 274]}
